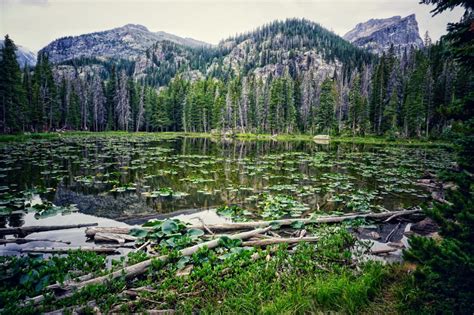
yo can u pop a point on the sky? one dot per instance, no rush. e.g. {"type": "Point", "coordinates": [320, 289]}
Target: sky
{"type": "Point", "coordinates": [35, 23]}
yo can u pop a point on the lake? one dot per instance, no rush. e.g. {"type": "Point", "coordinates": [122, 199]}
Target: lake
{"type": "Point", "coordinates": [131, 178]}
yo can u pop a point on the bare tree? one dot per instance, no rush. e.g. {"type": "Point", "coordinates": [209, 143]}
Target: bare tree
{"type": "Point", "coordinates": [122, 102]}
{"type": "Point", "coordinates": [141, 109]}
{"type": "Point", "coordinates": [98, 104]}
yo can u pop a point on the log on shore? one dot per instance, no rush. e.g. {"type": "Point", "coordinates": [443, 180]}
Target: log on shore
{"type": "Point", "coordinates": [34, 229]}
{"type": "Point", "coordinates": [320, 220]}
{"type": "Point", "coordinates": [114, 237]}
{"type": "Point", "coordinates": [90, 232]}
{"type": "Point", "coordinates": [61, 250]}
{"type": "Point", "coordinates": [141, 267]}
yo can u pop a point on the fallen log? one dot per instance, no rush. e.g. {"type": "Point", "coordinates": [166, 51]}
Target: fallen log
{"type": "Point", "coordinates": [34, 229]}
{"type": "Point", "coordinates": [92, 231]}
{"type": "Point", "coordinates": [271, 241]}
{"type": "Point", "coordinates": [60, 250]}
{"type": "Point", "coordinates": [320, 220]}
{"type": "Point", "coordinates": [113, 237]}
{"type": "Point", "coordinates": [29, 240]}
{"type": "Point", "coordinates": [58, 285]}
{"type": "Point", "coordinates": [235, 226]}
{"type": "Point", "coordinates": [141, 267]}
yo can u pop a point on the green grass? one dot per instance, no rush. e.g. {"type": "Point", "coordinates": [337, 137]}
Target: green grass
{"type": "Point", "coordinates": [311, 279]}
{"type": "Point", "coordinates": [370, 140]}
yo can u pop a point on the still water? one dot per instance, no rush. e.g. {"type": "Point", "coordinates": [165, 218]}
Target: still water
{"type": "Point", "coordinates": [128, 178]}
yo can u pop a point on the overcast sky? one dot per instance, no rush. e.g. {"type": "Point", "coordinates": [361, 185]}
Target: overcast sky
{"type": "Point", "coordinates": [35, 23]}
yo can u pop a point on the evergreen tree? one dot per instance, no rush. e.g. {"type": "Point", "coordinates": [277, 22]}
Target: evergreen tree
{"type": "Point", "coordinates": [46, 112]}
{"type": "Point", "coordinates": [325, 112]}
{"type": "Point", "coordinates": [12, 94]}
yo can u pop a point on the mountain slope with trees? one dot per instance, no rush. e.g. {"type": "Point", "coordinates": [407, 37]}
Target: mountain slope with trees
{"type": "Point", "coordinates": [288, 76]}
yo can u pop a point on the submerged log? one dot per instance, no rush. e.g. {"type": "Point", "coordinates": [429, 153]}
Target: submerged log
{"type": "Point", "coordinates": [52, 250]}
{"type": "Point", "coordinates": [34, 229]}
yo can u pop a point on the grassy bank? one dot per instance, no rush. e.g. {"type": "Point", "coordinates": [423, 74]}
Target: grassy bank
{"type": "Point", "coordinates": [310, 278]}
{"type": "Point", "coordinates": [370, 140]}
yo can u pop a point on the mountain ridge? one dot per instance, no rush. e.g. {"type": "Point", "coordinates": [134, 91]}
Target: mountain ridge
{"type": "Point", "coordinates": [378, 35]}
{"type": "Point", "coordinates": [126, 42]}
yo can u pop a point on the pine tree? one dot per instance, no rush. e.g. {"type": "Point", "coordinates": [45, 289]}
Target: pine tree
{"type": "Point", "coordinates": [46, 112]}
{"type": "Point", "coordinates": [12, 95]}
{"type": "Point", "coordinates": [327, 102]}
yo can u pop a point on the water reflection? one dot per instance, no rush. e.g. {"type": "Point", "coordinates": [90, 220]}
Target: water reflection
{"type": "Point", "coordinates": [129, 177]}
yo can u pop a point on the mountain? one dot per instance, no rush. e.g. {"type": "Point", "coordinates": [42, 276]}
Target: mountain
{"type": "Point", "coordinates": [293, 46]}
{"type": "Point", "coordinates": [23, 55]}
{"type": "Point", "coordinates": [377, 35]}
{"type": "Point", "coordinates": [126, 42]}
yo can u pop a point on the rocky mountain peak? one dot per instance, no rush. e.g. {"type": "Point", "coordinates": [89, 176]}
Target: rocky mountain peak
{"type": "Point", "coordinates": [131, 26]}
{"type": "Point", "coordinates": [378, 35]}
{"type": "Point", "coordinates": [126, 42]}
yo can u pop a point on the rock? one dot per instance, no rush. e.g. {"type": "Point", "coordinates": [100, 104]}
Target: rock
{"type": "Point", "coordinates": [424, 227]}
{"type": "Point", "coordinates": [321, 137]}
{"type": "Point", "coordinates": [375, 235]}
{"type": "Point", "coordinates": [378, 35]}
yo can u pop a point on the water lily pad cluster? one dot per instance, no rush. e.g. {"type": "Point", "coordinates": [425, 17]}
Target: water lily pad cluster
{"type": "Point", "coordinates": [170, 234]}
{"type": "Point", "coordinates": [281, 206]}
{"type": "Point", "coordinates": [173, 173]}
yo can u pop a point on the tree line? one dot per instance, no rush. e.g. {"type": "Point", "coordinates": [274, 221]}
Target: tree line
{"type": "Point", "coordinates": [409, 95]}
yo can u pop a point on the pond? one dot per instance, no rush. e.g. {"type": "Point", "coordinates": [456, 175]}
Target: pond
{"type": "Point", "coordinates": [131, 178]}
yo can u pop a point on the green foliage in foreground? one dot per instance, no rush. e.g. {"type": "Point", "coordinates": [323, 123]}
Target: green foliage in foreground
{"type": "Point", "coordinates": [233, 279]}
{"type": "Point", "coordinates": [444, 279]}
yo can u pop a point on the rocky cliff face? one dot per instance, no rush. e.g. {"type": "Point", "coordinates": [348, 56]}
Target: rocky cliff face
{"type": "Point", "coordinates": [378, 35]}
{"type": "Point", "coordinates": [23, 55]}
{"type": "Point", "coordinates": [126, 42]}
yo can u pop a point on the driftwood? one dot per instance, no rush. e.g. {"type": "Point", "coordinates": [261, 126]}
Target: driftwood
{"type": "Point", "coordinates": [34, 229]}
{"type": "Point", "coordinates": [399, 214]}
{"type": "Point", "coordinates": [271, 241]}
{"type": "Point", "coordinates": [113, 237]}
{"type": "Point", "coordinates": [29, 240]}
{"type": "Point", "coordinates": [52, 250]}
{"type": "Point", "coordinates": [141, 267]}
{"type": "Point", "coordinates": [90, 232]}
{"type": "Point", "coordinates": [57, 285]}
{"type": "Point", "coordinates": [142, 246]}
{"type": "Point", "coordinates": [389, 236]}
{"type": "Point", "coordinates": [320, 220]}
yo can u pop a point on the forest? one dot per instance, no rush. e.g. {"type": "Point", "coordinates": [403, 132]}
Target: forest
{"type": "Point", "coordinates": [417, 93]}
